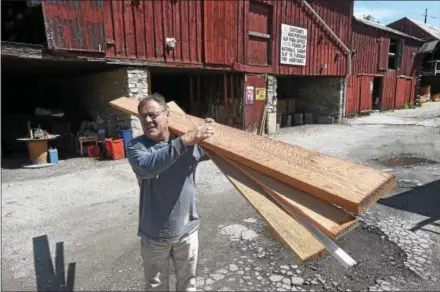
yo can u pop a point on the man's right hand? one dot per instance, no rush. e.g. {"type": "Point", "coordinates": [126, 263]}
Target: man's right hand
{"type": "Point", "coordinates": [198, 134]}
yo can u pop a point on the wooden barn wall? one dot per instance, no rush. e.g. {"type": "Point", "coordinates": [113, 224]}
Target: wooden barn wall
{"type": "Point", "coordinates": [366, 42]}
{"type": "Point", "coordinates": [74, 25]}
{"type": "Point", "coordinates": [367, 45]}
{"type": "Point", "coordinates": [216, 32]}
{"type": "Point", "coordinates": [223, 26]}
{"type": "Point", "coordinates": [321, 49]}
{"type": "Point", "coordinates": [212, 32]}
{"type": "Point", "coordinates": [408, 27]}
{"type": "Point", "coordinates": [139, 30]}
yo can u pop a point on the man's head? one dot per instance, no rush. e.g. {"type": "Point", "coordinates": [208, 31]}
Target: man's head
{"type": "Point", "coordinates": [153, 114]}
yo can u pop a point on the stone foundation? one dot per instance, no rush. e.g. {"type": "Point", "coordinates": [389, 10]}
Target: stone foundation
{"type": "Point", "coordinates": [271, 120]}
{"type": "Point", "coordinates": [137, 80]}
{"type": "Point", "coordinates": [97, 90]}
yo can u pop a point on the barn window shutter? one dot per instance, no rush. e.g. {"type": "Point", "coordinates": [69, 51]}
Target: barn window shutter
{"type": "Point", "coordinates": [399, 55]}
{"type": "Point", "coordinates": [384, 48]}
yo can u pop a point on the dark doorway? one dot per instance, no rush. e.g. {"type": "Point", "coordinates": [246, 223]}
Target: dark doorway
{"type": "Point", "coordinates": [173, 86]}
{"type": "Point", "coordinates": [377, 89]}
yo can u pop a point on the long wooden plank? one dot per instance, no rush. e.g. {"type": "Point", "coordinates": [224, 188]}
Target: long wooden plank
{"type": "Point", "coordinates": [265, 207]}
{"type": "Point", "coordinates": [295, 236]}
{"type": "Point", "coordinates": [349, 185]}
{"type": "Point", "coordinates": [329, 219]}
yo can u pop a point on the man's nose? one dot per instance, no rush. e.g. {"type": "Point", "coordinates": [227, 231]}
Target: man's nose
{"type": "Point", "coordinates": [148, 119]}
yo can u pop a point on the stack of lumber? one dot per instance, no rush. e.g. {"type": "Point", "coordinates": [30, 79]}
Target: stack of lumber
{"type": "Point", "coordinates": [306, 197]}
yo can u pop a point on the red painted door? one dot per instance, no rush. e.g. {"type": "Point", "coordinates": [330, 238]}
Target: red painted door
{"type": "Point", "coordinates": [254, 101]}
{"type": "Point", "coordinates": [366, 94]}
{"type": "Point", "coordinates": [400, 98]}
{"type": "Point", "coordinates": [75, 25]}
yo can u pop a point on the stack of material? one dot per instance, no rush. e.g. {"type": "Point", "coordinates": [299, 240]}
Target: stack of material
{"type": "Point", "coordinates": [301, 194]}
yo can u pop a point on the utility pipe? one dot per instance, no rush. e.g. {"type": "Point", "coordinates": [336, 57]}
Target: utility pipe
{"type": "Point", "coordinates": [341, 43]}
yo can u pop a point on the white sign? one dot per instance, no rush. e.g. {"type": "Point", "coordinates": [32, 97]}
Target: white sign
{"type": "Point", "coordinates": [293, 45]}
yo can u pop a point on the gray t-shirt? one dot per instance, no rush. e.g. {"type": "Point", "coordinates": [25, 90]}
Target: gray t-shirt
{"type": "Point", "coordinates": [166, 171]}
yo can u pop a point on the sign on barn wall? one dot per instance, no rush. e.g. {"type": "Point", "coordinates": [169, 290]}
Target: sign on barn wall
{"type": "Point", "coordinates": [293, 45]}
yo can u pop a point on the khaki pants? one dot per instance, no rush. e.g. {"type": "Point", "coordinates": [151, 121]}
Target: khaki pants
{"type": "Point", "coordinates": [156, 258]}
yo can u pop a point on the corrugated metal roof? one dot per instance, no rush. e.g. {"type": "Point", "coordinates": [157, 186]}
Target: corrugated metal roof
{"type": "Point", "coordinates": [432, 30]}
{"type": "Point", "coordinates": [383, 27]}
{"type": "Point", "coordinates": [428, 47]}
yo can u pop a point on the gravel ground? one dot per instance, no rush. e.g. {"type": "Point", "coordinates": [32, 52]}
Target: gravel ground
{"type": "Point", "coordinates": [91, 206]}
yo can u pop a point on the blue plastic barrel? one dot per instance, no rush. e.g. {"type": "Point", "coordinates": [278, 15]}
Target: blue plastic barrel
{"type": "Point", "coordinates": [126, 135]}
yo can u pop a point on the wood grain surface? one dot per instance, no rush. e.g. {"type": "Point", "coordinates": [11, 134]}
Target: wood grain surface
{"type": "Point", "coordinates": [329, 219]}
{"type": "Point", "coordinates": [295, 236]}
{"type": "Point", "coordinates": [349, 185]}
{"type": "Point", "coordinates": [269, 210]}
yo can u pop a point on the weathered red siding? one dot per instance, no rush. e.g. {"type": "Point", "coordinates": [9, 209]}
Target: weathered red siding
{"type": "Point", "coordinates": [408, 27]}
{"type": "Point", "coordinates": [220, 25]}
{"type": "Point", "coordinates": [139, 30]}
{"type": "Point", "coordinates": [74, 25]}
{"type": "Point", "coordinates": [371, 59]}
{"type": "Point", "coordinates": [213, 33]}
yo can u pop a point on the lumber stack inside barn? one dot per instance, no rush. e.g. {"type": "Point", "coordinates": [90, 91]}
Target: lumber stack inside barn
{"type": "Point", "coordinates": [288, 184]}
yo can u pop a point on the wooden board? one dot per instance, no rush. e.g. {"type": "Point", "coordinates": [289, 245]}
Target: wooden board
{"type": "Point", "coordinates": [269, 210]}
{"type": "Point", "coordinates": [295, 236]}
{"type": "Point", "coordinates": [349, 185]}
{"type": "Point", "coordinates": [329, 219]}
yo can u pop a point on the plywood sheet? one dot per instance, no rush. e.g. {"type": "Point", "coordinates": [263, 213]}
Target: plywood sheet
{"type": "Point", "coordinates": [349, 185]}
{"type": "Point", "coordinates": [329, 219]}
{"type": "Point", "coordinates": [296, 237]}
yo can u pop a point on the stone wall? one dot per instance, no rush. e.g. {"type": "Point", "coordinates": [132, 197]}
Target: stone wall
{"type": "Point", "coordinates": [271, 121]}
{"type": "Point", "coordinates": [97, 90]}
{"type": "Point", "coordinates": [137, 81]}
{"type": "Point", "coordinates": [321, 96]}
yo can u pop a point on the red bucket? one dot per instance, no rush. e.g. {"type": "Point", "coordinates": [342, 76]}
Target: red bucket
{"type": "Point", "coordinates": [114, 148]}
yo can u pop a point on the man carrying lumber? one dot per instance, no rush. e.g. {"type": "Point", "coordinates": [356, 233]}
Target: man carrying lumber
{"type": "Point", "coordinates": [168, 222]}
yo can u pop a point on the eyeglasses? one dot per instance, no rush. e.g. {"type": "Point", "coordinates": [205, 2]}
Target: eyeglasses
{"type": "Point", "coordinates": [152, 115]}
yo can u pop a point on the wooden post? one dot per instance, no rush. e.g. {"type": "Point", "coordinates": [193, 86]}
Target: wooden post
{"type": "Point", "coordinates": [225, 91]}
{"type": "Point", "coordinates": [198, 95]}
{"type": "Point", "coordinates": [191, 97]}
{"type": "Point", "coordinates": [149, 81]}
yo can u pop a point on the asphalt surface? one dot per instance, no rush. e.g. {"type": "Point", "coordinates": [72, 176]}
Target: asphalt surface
{"type": "Point", "coordinates": [91, 206]}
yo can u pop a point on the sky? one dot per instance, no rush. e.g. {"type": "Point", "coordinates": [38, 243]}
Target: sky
{"type": "Point", "coordinates": [388, 11]}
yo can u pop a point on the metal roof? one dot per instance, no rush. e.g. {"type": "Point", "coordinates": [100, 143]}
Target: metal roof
{"type": "Point", "coordinates": [383, 27]}
{"type": "Point", "coordinates": [432, 30]}
{"type": "Point", "coordinates": [428, 47]}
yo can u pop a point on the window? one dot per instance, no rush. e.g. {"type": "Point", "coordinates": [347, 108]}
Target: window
{"type": "Point", "coordinates": [395, 54]}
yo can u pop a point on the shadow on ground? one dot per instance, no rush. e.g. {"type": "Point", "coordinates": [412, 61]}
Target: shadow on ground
{"type": "Point", "coordinates": [47, 278]}
{"type": "Point", "coordinates": [423, 200]}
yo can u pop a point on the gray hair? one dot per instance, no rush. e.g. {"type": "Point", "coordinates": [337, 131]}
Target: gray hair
{"type": "Point", "coordinates": [157, 97]}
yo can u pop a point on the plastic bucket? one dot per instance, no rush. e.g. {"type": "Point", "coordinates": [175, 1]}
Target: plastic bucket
{"type": "Point", "coordinates": [114, 148]}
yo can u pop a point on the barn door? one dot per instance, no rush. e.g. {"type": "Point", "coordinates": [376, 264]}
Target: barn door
{"type": "Point", "coordinates": [218, 27]}
{"type": "Point", "coordinates": [366, 94]}
{"type": "Point", "coordinates": [254, 101]}
{"type": "Point", "coordinates": [74, 25]}
{"type": "Point", "coordinates": [400, 99]}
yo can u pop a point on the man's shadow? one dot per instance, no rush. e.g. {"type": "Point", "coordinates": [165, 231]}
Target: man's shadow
{"type": "Point", "coordinates": [423, 200]}
{"type": "Point", "coordinates": [47, 278]}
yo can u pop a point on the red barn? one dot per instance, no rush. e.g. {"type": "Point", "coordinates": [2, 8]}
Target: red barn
{"type": "Point", "coordinates": [429, 53]}
{"type": "Point", "coordinates": [385, 68]}
{"type": "Point", "coordinates": [418, 29]}
{"type": "Point", "coordinates": [228, 59]}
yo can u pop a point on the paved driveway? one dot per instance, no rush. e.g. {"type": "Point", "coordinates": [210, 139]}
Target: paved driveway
{"type": "Point", "coordinates": [92, 208]}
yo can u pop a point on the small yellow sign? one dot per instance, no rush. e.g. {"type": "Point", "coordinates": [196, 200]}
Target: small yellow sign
{"type": "Point", "coordinates": [260, 93]}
